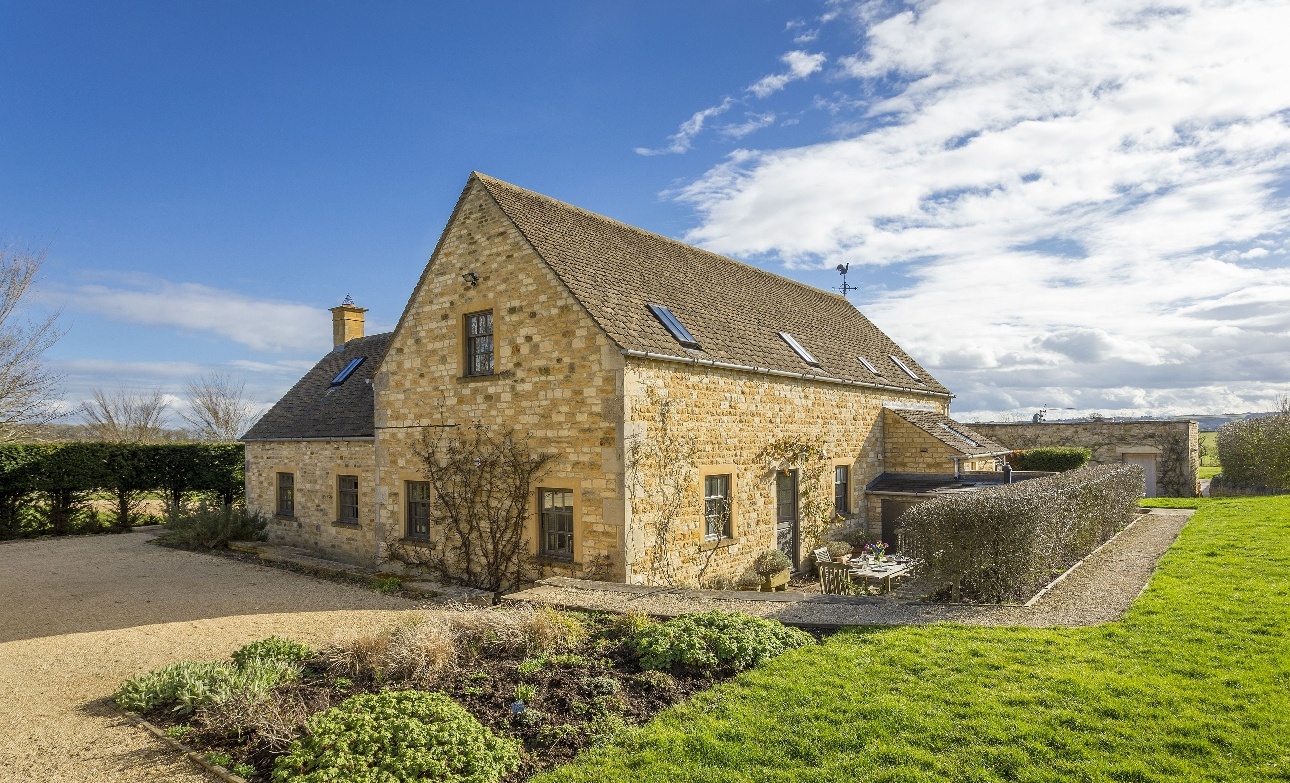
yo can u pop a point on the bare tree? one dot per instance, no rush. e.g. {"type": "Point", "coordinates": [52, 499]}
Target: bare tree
{"type": "Point", "coordinates": [27, 389]}
{"type": "Point", "coordinates": [121, 417]}
{"type": "Point", "coordinates": [217, 407]}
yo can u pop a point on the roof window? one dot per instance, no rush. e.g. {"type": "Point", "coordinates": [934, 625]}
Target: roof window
{"type": "Point", "coordinates": [673, 326]}
{"type": "Point", "coordinates": [902, 366]}
{"type": "Point", "coordinates": [802, 352]}
{"type": "Point", "coordinates": [868, 365]}
{"type": "Point", "coordinates": [348, 371]}
{"type": "Point", "coordinates": [970, 442]}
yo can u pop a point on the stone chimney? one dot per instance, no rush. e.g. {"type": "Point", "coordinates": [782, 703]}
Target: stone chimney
{"type": "Point", "coordinates": [346, 322]}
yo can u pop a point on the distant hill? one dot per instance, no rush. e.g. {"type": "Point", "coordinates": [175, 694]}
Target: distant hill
{"type": "Point", "coordinates": [68, 433]}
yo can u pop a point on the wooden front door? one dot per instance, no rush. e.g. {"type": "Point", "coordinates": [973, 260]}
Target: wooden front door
{"type": "Point", "coordinates": [1148, 465]}
{"type": "Point", "coordinates": [787, 527]}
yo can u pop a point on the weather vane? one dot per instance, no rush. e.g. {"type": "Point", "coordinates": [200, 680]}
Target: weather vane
{"type": "Point", "coordinates": [844, 288]}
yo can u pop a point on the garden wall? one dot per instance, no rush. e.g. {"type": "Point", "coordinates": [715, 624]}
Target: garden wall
{"type": "Point", "coordinates": [1175, 446]}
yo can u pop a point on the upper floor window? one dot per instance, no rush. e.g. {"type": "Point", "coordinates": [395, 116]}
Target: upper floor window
{"type": "Point", "coordinates": [555, 508]}
{"type": "Point", "coordinates": [347, 499]}
{"type": "Point", "coordinates": [842, 489]}
{"type": "Point", "coordinates": [418, 509]}
{"type": "Point", "coordinates": [716, 506]}
{"type": "Point", "coordinates": [479, 343]}
{"type": "Point", "coordinates": [286, 495]}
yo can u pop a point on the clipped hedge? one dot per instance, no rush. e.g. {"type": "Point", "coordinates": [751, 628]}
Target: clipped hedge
{"type": "Point", "coordinates": [1256, 452]}
{"type": "Point", "coordinates": [43, 485]}
{"type": "Point", "coordinates": [1005, 543]}
{"type": "Point", "coordinates": [1053, 458]}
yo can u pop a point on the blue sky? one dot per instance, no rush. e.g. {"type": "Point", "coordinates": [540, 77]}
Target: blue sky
{"type": "Point", "coordinates": [1092, 217]}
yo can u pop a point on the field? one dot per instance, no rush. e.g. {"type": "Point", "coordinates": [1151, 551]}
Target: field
{"type": "Point", "coordinates": [1208, 450]}
{"type": "Point", "coordinates": [1191, 684]}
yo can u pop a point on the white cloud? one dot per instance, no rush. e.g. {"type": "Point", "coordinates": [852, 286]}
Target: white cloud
{"type": "Point", "coordinates": [679, 142]}
{"type": "Point", "coordinates": [1081, 192]}
{"type": "Point", "coordinates": [800, 65]}
{"type": "Point", "coordinates": [754, 122]}
{"type": "Point", "coordinates": [259, 324]}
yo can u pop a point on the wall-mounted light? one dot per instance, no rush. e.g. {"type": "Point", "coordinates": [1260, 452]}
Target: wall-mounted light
{"type": "Point", "coordinates": [472, 278]}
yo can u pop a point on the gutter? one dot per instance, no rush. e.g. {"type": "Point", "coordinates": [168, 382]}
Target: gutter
{"type": "Point", "coordinates": [781, 373]}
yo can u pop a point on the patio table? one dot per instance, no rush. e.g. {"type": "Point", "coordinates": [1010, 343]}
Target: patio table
{"type": "Point", "coordinates": [884, 572]}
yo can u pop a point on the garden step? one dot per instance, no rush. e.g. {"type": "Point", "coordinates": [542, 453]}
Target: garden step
{"type": "Point", "coordinates": [301, 558]}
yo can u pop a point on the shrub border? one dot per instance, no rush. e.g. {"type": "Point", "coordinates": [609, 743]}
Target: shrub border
{"type": "Point", "coordinates": [197, 758]}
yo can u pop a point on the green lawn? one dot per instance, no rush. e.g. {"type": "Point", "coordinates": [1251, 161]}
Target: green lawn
{"type": "Point", "coordinates": [1210, 471]}
{"type": "Point", "coordinates": [1191, 685]}
{"type": "Point", "coordinates": [1209, 445]}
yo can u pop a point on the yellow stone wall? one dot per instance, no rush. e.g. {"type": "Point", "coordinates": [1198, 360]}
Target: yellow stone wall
{"type": "Point", "coordinates": [909, 449]}
{"type": "Point", "coordinates": [556, 381]}
{"type": "Point", "coordinates": [732, 416]}
{"type": "Point", "coordinates": [316, 465]}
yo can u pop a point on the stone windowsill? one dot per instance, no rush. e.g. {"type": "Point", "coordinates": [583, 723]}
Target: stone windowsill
{"type": "Point", "coordinates": [349, 524]}
{"type": "Point", "coordinates": [285, 517]}
{"type": "Point", "coordinates": [421, 542]}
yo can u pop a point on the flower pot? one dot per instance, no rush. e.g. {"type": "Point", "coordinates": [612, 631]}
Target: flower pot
{"type": "Point", "coordinates": [776, 583]}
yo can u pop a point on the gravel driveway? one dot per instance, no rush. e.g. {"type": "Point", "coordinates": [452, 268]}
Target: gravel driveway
{"type": "Point", "coordinates": [78, 615]}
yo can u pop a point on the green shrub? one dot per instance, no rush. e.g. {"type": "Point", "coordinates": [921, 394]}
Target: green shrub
{"type": "Point", "coordinates": [273, 648]}
{"type": "Point", "coordinates": [213, 528]}
{"type": "Point", "coordinates": [712, 640]}
{"type": "Point", "coordinates": [1054, 458]}
{"type": "Point", "coordinates": [771, 562]}
{"type": "Point", "coordinates": [1256, 452]}
{"type": "Point", "coordinates": [188, 685]}
{"type": "Point", "coordinates": [397, 736]}
{"type": "Point", "coordinates": [1004, 543]}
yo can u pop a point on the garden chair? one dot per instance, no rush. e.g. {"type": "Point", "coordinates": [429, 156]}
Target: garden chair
{"type": "Point", "coordinates": [822, 555]}
{"type": "Point", "coordinates": [835, 579]}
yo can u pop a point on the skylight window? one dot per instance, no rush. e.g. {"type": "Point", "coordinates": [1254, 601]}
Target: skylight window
{"type": "Point", "coordinates": [802, 352]}
{"type": "Point", "coordinates": [348, 371]}
{"type": "Point", "coordinates": [970, 442]}
{"type": "Point", "coordinates": [673, 326]}
{"type": "Point", "coordinates": [902, 366]}
{"type": "Point", "coordinates": [868, 365]}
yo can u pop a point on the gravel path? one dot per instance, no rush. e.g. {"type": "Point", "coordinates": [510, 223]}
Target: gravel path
{"type": "Point", "coordinates": [78, 615]}
{"type": "Point", "coordinates": [1098, 591]}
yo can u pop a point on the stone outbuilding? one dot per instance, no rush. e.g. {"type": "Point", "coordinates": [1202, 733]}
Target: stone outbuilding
{"type": "Point", "coordinates": [607, 348]}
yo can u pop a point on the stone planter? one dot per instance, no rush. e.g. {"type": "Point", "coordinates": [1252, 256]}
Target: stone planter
{"type": "Point", "coordinates": [776, 583]}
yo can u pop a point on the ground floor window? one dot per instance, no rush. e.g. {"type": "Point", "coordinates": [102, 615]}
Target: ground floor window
{"type": "Point", "coordinates": [286, 494]}
{"type": "Point", "coordinates": [347, 499]}
{"type": "Point", "coordinates": [716, 506]}
{"type": "Point", "coordinates": [842, 489]}
{"type": "Point", "coordinates": [418, 509]}
{"type": "Point", "coordinates": [555, 508]}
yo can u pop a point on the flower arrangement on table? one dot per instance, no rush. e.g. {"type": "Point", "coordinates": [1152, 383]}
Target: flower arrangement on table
{"type": "Point", "coordinates": [876, 550]}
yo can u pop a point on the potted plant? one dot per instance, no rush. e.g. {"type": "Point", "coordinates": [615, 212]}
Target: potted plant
{"type": "Point", "coordinates": [857, 535]}
{"type": "Point", "coordinates": [877, 550]}
{"type": "Point", "coordinates": [838, 550]}
{"type": "Point", "coordinates": [772, 566]}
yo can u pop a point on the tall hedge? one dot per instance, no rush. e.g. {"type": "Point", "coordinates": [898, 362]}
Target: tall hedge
{"type": "Point", "coordinates": [1004, 543]}
{"type": "Point", "coordinates": [1054, 458]}
{"type": "Point", "coordinates": [44, 486]}
{"type": "Point", "coordinates": [1256, 451]}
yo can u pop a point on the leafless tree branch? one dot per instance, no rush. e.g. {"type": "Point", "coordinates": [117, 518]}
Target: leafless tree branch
{"type": "Point", "coordinates": [217, 407]}
{"type": "Point", "coordinates": [28, 390]}
{"type": "Point", "coordinates": [121, 417]}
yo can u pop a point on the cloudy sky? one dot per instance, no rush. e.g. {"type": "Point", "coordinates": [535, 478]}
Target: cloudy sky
{"type": "Point", "coordinates": [1072, 205]}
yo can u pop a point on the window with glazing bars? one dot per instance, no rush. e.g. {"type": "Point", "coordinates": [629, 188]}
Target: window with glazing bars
{"type": "Point", "coordinates": [842, 489]}
{"type": "Point", "coordinates": [479, 343]}
{"type": "Point", "coordinates": [347, 499]}
{"type": "Point", "coordinates": [716, 506]}
{"type": "Point", "coordinates": [286, 494]}
{"type": "Point", "coordinates": [418, 509]}
{"type": "Point", "coordinates": [556, 511]}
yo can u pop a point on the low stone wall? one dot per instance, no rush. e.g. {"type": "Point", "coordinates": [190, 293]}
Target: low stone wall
{"type": "Point", "coordinates": [1175, 444]}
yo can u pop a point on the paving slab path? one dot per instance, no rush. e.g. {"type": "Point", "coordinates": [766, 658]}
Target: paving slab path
{"type": "Point", "coordinates": [1098, 590]}
{"type": "Point", "coordinates": [79, 615]}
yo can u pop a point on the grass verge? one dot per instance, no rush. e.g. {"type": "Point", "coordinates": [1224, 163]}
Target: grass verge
{"type": "Point", "coordinates": [1191, 684]}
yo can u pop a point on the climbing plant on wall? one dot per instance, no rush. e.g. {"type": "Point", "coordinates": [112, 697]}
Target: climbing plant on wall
{"type": "Point", "coordinates": [660, 467]}
{"type": "Point", "coordinates": [816, 512]}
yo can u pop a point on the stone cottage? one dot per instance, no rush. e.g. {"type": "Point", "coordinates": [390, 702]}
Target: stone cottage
{"type": "Point", "coordinates": [604, 346]}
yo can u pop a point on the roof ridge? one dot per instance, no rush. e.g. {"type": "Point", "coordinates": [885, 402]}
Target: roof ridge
{"type": "Point", "coordinates": [487, 180]}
